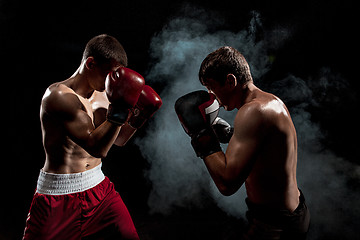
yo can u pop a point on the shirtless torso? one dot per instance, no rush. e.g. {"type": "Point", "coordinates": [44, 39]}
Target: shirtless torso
{"type": "Point", "coordinates": [75, 133]}
{"type": "Point", "coordinates": [262, 152]}
{"type": "Point", "coordinates": [63, 155]}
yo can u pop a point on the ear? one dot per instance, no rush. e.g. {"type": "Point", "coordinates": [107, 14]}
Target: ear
{"type": "Point", "coordinates": [231, 80]}
{"type": "Point", "coordinates": [90, 63]}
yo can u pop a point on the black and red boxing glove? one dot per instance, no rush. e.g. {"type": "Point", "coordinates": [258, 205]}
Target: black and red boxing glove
{"type": "Point", "coordinates": [123, 88]}
{"type": "Point", "coordinates": [197, 112]}
{"type": "Point", "coordinates": [149, 102]}
{"type": "Point", "coordinates": [223, 130]}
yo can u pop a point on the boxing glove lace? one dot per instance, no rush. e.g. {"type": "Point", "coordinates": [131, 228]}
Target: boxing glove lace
{"type": "Point", "coordinates": [149, 102]}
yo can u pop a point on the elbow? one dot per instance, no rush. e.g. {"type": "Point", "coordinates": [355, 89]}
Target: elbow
{"type": "Point", "coordinates": [97, 150]}
{"type": "Point", "coordinates": [228, 188]}
{"type": "Point", "coordinates": [98, 154]}
{"type": "Point", "coordinates": [102, 154]}
{"type": "Point", "coordinates": [226, 191]}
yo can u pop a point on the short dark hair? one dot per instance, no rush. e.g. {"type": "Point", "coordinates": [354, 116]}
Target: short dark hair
{"type": "Point", "coordinates": [225, 60]}
{"type": "Point", "coordinates": [104, 48]}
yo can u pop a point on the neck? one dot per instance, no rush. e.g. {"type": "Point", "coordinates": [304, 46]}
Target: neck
{"type": "Point", "coordinates": [246, 93]}
{"type": "Point", "coordinates": [80, 84]}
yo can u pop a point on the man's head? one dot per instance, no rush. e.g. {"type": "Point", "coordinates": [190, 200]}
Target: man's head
{"type": "Point", "coordinates": [223, 71]}
{"type": "Point", "coordinates": [105, 49]}
{"type": "Point", "coordinates": [103, 54]}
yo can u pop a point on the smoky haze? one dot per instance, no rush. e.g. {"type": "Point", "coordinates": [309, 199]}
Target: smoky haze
{"type": "Point", "coordinates": [180, 179]}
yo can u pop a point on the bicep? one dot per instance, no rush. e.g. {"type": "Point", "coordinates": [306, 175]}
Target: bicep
{"type": "Point", "coordinates": [230, 170]}
{"type": "Point", "coordinates": [240, 157]}
{"type": "Point", "coordinates": [243, 146]}
{"type": "Point", "coordinates": [99, 116]}
{"type": "Point", "coordinates": [67, 109]}
{"type": "Point", "coordinates": [79, 126]}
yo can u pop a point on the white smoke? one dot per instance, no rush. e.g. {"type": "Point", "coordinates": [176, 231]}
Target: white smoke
{"type": "Point", "coordinates": [322, 175]}
{"type": "Point", "coordinates": [180, 179]}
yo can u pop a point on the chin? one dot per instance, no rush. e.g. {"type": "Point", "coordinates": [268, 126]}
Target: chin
{"type": "Point", "coordinates": [100, 89]}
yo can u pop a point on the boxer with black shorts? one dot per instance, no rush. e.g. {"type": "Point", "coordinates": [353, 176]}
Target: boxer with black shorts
{"type": "Point", "coordinates": [80, 122]}
{"type": "Point", "coordinates": [261, 151]}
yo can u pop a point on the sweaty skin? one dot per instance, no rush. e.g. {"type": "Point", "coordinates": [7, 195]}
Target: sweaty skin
{"type": "Point", "coordinates": [262, 152]}
{"type": "Point", "coordinates": [75, 132]}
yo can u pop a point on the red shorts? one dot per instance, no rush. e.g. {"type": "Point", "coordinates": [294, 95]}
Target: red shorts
{"type": "Point", "coordinates": [96, 213]}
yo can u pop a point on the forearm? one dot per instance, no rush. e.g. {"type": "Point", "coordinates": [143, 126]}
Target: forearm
{"type": "Point", "coordinates": [102, 138]}
{"type": "Point", "coordinates": [221, 173]}
{"type": "Point", "coordinates": [125, 134]}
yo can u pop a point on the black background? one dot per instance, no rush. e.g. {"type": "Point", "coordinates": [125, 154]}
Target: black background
{"type": "Point", "coordinates": [41, 42]}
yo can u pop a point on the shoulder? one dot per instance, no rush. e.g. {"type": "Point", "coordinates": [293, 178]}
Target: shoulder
{"type": "Point", "coordinates": [250, 112]}
{"type": "Point", "coordinates": [58, 98]}
{"type": "Point", "coordinates": [264, 113]}
{"type": "Point", "coordinates": [265, 105]}
{"type": "Point", "coordinates": [260, 114]}
{"type": "Point", "coordinates": [249, 121]}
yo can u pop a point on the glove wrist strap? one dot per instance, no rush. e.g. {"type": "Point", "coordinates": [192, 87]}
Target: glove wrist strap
{"type": "Point", "coordinates": [205, 143]}
{"type": "Point", "coordinates": [117, 115]}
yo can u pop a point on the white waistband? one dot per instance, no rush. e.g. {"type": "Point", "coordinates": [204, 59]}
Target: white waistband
{"type": "Point", "coordinates": [60, 184]}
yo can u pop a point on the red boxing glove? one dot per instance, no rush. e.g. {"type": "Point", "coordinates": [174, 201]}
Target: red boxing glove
{"type": "Point", "coordinates": [123, 88]}
{"type": "Point", "coordinates": [149, 102]}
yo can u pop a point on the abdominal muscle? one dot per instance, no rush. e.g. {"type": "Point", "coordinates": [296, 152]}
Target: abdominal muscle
{"type": "Point", "coordinates": [69, 158]}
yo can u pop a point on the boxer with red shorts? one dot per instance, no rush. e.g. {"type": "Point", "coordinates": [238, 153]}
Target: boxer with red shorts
{"type": "Point", "coordinates": [80, 122]}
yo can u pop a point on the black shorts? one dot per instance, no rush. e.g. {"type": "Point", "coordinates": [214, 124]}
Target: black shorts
{"type": "Point", "coordinates": [270, 224]}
